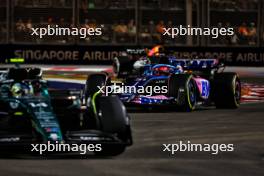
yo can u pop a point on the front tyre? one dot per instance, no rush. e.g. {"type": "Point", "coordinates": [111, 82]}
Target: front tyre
{"type": "Point", "coordinates": [114, 120]}
{"type": "Point", "coordinates": [183, 88]}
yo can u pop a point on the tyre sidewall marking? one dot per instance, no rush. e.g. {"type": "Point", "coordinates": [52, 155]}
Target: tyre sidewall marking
{"type": "Point", "coordinates": [188, 93]}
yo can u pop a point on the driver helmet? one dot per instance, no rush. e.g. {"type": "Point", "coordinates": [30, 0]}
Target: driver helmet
{"type": "Point", "coordinates": [179, 68]}
{"type": "Point", "coordinates": [16, 90]}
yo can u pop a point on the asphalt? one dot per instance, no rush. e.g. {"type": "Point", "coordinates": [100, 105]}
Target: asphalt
{"type": "Point", "coordinates": [243, 127]}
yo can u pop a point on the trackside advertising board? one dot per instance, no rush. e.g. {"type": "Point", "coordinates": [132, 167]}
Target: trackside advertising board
{"type": "Point", "coordinates": [102, 55]}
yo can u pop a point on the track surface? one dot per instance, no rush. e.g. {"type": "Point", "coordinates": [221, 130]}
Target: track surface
{"type": "Point", "coordinates": [243, 127]}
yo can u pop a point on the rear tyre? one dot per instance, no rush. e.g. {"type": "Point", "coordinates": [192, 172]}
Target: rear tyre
{"type": "Point", "coordinates": [227, 90]}
{"type": "Point", "coordinates": [183, 88]}
{"type": "Point", "coordinates": [122, 66]}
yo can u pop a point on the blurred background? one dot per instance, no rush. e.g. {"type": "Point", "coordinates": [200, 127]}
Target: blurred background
{"type": "Point", "coordinates": [133, 22]}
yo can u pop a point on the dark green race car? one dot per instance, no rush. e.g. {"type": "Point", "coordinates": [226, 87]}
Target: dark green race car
{"type": "Point", "coordinates": [30, 113]}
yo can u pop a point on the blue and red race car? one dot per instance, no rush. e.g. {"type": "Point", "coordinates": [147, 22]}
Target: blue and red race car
{"type": "Point", "coordinates": [166, 80]}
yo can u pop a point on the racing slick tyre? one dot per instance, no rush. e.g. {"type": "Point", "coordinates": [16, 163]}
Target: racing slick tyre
{"type": "Point", "coordinates": [226, 90]}
{"type": "Point", "coordinates": [114, 120]}
{"type": "Point", "coordinates": [91, 88]}
{"type": "Point", "coordinates": [122, 66]}
{"type": "Point", "coordinates": [183, 88]}
{"type": "Point", "coordinates": [92, 83]}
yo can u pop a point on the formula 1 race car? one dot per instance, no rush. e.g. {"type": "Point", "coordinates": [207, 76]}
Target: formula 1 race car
{"type": "Point", "coordinates": [32, 114]}
{"type": "Point", "coordinates": [184, 83]}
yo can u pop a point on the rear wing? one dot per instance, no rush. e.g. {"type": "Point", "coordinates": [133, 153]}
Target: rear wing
{"type": "Point", "coordinates": [146, 52]}
{"type": "Point", "coordinates": [197, 64]}
{"type": "Point", "coordinates": [136, 51]}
